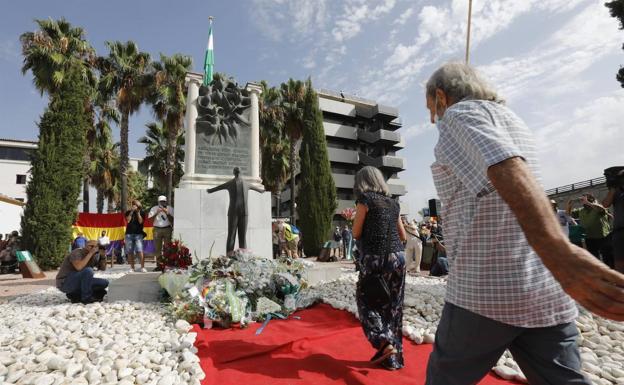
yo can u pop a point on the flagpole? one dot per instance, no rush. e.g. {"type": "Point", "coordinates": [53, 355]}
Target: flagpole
{"type": "Point", "coordinates": [468, 32]}
{"type": "Point", "coordinates": [209, 56]}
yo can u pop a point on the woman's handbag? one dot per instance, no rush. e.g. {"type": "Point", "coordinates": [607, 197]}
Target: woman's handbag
{"type": "Point", "coordinates": [374, 287]}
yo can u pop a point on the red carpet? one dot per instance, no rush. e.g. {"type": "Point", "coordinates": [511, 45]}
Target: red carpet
{"type": "Point", "coordinates": [326, 346]}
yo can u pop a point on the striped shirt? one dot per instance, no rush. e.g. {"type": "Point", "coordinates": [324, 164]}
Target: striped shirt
{"type": "Point", "coordinates": [494, 272]}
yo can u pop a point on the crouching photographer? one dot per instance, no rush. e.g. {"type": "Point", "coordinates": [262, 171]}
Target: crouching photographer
{"type": "Point", "coordinates": [75, 277]}
{"type": "Point", "coordinates": [615, 198]}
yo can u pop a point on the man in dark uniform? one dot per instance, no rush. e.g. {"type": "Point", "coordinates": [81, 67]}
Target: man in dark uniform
{"type": "Point", "coordinates": [237, 211]}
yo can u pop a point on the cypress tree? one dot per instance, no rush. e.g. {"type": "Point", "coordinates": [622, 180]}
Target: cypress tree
{"type": "Point", "coordinates": [316, 202]}
{"type": "Point", "coordinates": [56, 174]}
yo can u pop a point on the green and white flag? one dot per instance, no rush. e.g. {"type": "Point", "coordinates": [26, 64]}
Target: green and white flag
{"type": "Point", "coordinates": [209, 59]}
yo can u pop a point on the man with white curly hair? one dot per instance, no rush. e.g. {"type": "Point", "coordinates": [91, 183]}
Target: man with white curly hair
{"type": "Point", "coordinates": [511, 265]}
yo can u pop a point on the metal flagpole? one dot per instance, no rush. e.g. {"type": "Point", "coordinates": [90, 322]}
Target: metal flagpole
{"type": "Point", "coordinates": [468, 32]}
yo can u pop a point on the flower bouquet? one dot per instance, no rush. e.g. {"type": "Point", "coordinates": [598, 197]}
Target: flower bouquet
{"type": "Point", "coordinates": [175, 255]}
{"type": "Point", "coordinates": [349, 215]}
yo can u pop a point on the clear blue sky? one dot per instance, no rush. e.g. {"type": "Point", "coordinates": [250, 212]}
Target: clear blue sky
{"type": "Point", "coordinates": [553, 60]}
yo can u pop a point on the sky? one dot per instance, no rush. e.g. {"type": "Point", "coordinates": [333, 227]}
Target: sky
{"type": "Point", "coordinates": [553, 61]}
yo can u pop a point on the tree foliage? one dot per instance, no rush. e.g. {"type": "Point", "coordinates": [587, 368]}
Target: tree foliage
{"type": "Point", "coordinates": [616, 8]}
{"type": "Point", "coordinates": [56, 174]}
{"type": "Point", "coordinates": [274, 142]}
{"type": "Point", "coordinates": [155, 161]}
{"type": "Point", "coordinates": [124, 77]}
{"type": "Point", "coordinates": [317, 198]}
{"type": "Point", "coordinates": [169, 104]}
{"type": "Point", "coordinates": [54, 50]}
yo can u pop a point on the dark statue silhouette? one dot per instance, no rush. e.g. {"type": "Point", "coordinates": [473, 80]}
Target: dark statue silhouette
{"type": "Point", "coordinates": [237, 211]}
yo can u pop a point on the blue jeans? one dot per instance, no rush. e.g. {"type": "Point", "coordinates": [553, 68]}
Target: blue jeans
{"type": "Point", "coordinates": [134, 244]}
{"type": "Point", "coordinates": [83, 282]}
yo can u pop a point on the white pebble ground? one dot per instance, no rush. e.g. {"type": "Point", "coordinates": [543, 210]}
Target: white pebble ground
{"type": "Point", "coordinates": [601, 342]}
{"type": "Point", "coordinates": [45, 340]}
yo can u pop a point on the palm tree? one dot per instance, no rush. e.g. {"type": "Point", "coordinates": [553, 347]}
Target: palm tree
{"type": "Point", "coordinates": [124, 77]}
{"type": "Point", "coordinates": [169, 104]}
{"type": "Point", "coordinates": [292, 102]}
{"type": "Point", "coordinates": [50, 53]}
{"type": "Point", "coordinates": [54, 49]}
{"type": "Point", "coordinates": [105, 171]}
{"type": "Point", "coordinates": [155, 140]}
{"type": "Point", "coordinates": [274, 143]}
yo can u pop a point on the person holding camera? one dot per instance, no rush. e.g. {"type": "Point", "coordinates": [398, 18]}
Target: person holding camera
{"type": "Point", "coordinates": [75, 277]}
{"type": "Point", "coordinates": [163, 224]}
{"type": "Point", "coordinates": [595, 220]}
{"type": "Point", "coordinates": [615, 198]}
{"type": "Point", "coordinates": [135, 235]}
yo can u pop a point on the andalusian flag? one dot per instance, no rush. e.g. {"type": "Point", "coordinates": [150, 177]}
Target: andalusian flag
{"type": "Point", "coordinates": [209, 58]}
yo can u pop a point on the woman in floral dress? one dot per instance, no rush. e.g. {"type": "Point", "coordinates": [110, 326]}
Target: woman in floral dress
{"type": "Point", "coordinates": [379, 229]}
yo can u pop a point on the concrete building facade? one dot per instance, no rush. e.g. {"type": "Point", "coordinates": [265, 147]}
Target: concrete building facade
{"type": "Point", "coordinates": [359, 133]}
{"type": "Point", "coordinates": [15, 167]}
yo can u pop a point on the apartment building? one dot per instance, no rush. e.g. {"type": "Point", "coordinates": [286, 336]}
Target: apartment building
{"type": "Point", "coordinates": [359, 132]}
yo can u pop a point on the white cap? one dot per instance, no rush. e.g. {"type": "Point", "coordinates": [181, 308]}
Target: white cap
{"type": "Point", "coordinates": [162, 198]}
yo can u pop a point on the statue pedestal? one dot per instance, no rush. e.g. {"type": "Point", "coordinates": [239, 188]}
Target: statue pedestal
{"type": "Point", "coordinates": [201, 219]}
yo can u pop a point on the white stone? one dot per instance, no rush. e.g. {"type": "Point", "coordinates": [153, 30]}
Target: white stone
{"type": "Point", "coordinates": [46, 379]}
{"type": "Point", "coordinates": [505, 372]}
{"type": "Point", "coordinates": [57, 363]}
{"type": "Point", "coordinates": [73, 369]}
{"type": "Point", "coordinates": [168, 379]}
{"type": "Point", "coordinates": [183, 326]}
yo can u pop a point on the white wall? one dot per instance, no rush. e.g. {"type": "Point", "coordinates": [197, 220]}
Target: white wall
{"type": "Point", "coordinates": [11, 217]}
{"type": "Point", "coordinates": [9, 169]}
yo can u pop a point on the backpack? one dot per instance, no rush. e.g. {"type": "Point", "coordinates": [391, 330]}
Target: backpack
{"type": "Point", "coordinates": [294, 229]}
{"type": "Point", "coordinates": [288, 233]}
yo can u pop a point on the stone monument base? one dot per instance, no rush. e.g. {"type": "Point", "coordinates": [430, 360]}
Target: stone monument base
{"type": "Point", "coordinates": [201, 219]}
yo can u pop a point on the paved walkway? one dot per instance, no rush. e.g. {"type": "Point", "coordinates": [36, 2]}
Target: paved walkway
{"type": "Point", "coordinates": [14, 285]}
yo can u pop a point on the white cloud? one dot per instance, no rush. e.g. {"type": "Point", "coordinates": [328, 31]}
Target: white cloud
{"type": "Point", "coordinates": [579, 145]}
{"type": "Point", "coordinates": [416, 130]}
{"type": "Point", "coordinates": [581, 42]}
{"type": "Point", "coordinates": [355, 13]}
{"type": "Point", "coordinates": [405, 16]}
{"type": "Point", "coordinates": [295, 19]}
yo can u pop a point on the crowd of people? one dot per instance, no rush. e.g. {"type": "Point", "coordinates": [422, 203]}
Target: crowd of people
{"type": "Point", "coordinates": [287, 240]}
{"type": "Point", "coordinates": [75, 276]}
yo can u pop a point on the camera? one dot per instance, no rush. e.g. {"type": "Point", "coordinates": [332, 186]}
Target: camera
{"type": "Point", "coordinates": [614, 176]}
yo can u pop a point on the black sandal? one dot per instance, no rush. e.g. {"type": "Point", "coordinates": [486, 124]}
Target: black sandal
{"type": "Point", "coordinates": [386, 351]}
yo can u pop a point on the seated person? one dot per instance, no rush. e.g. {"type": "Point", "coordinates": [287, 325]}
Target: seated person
{"type": "Point", "coordinates": [440, 266]}
{"type": "Point", "coordinates": [8, 254]}
{"type": "Point", "coordinates": [80, 242]}
{"type": "Point", "coordinates": [75, 277]}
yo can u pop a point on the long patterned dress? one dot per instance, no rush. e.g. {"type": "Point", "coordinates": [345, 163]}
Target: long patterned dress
{"type": "Point", "coordinates": [380, 236]}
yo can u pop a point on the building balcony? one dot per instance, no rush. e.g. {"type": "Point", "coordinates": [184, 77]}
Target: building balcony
{"type": "Point", "coordinates": [342, 156]}
{"type": "Point", "coordinates": [379, 136]}
{"type": "Point", "coordinates": [396, 186]}
{"type": "Point", "coordinates": [343, 180]}
{"type": "Point", "coordinates": [395, 124]}
{"type": "Point", "coordinates": [387, 162]}
{"type": "Point", "coordinates": [386, 113]}
{"type": "Point", "coordinates": [335, 107]}
{"type": "Point", "coordinates": [340, 131]}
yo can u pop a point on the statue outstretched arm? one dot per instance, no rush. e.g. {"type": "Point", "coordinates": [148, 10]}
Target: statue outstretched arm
{"type": "Point", "coordinates": [223, 186]}
{"type": "Point", "coordinates": [257, 189]}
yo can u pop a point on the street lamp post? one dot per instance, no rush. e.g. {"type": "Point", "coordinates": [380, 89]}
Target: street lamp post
{"type": "Point", "coordinates": [468, 31]}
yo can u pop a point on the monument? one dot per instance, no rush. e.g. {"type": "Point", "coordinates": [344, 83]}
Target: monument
{"type": "Point", "coordinates": [222, 133]}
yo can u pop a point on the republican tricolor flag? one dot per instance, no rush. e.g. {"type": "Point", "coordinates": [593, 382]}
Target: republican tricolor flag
{"type": "Point", "coordinates": [209, 59]}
